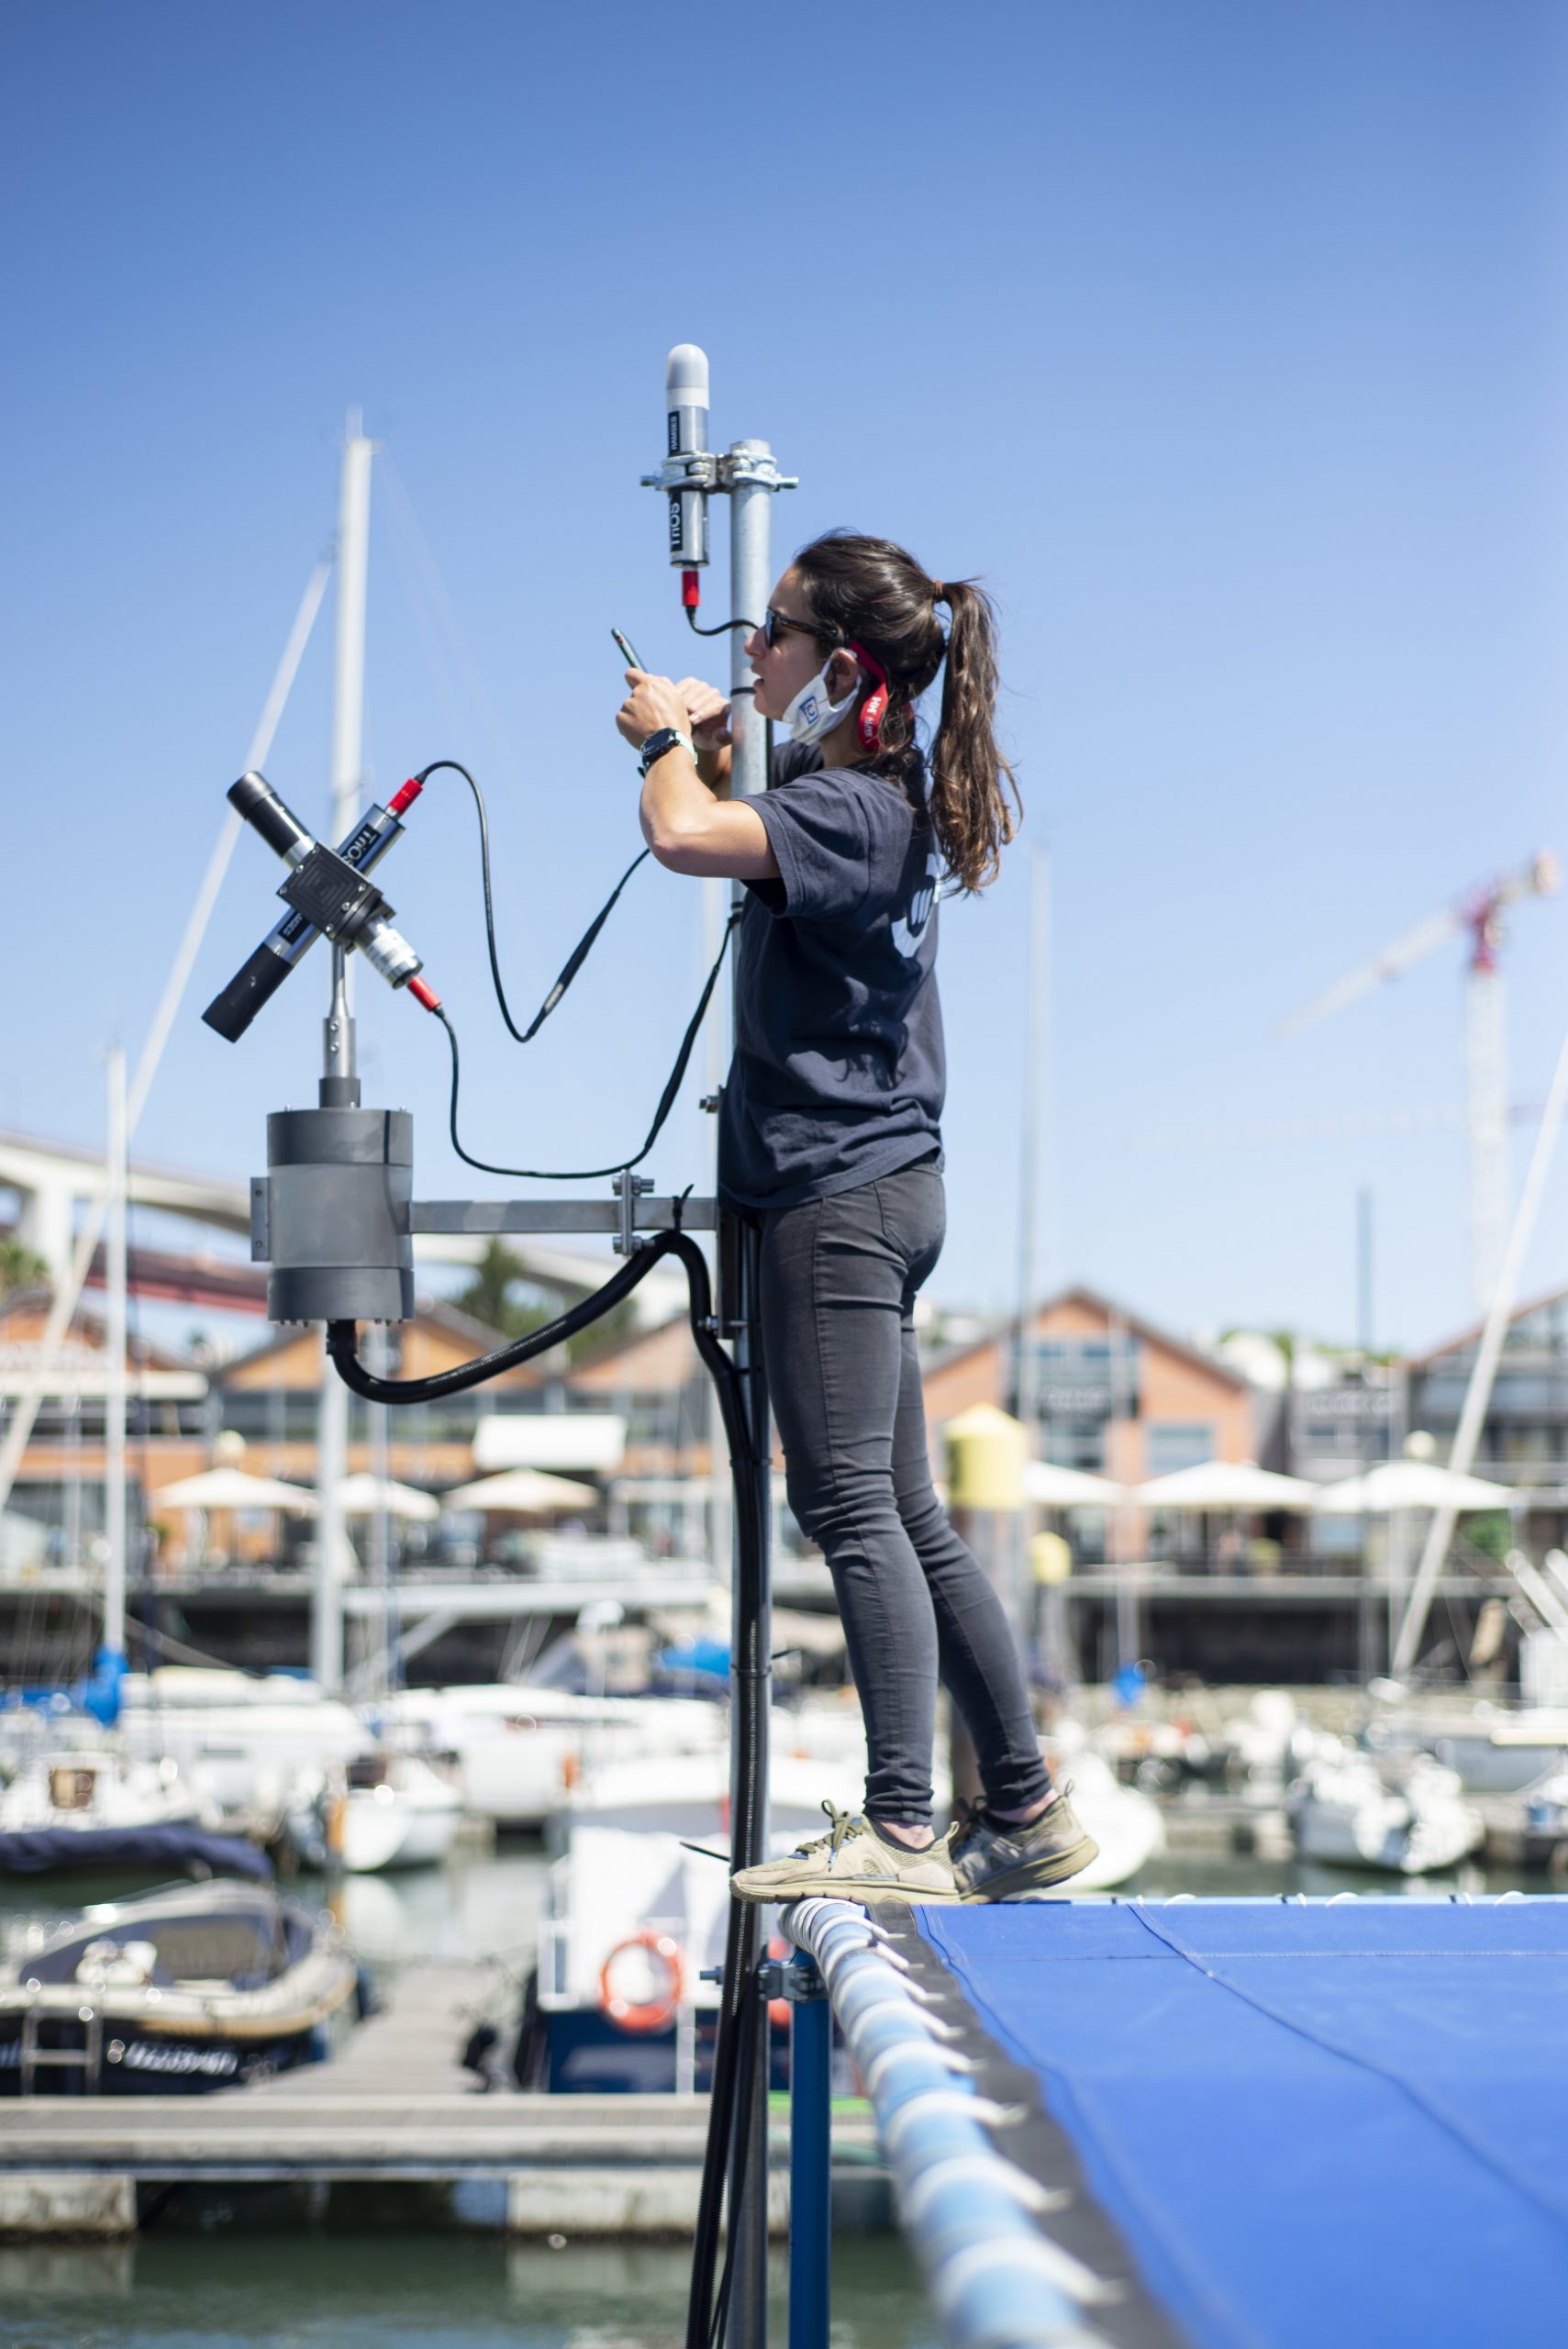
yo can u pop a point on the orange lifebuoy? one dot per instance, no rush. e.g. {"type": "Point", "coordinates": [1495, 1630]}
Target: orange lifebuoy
{"type": "Point", "coordinates": [651, 2014]}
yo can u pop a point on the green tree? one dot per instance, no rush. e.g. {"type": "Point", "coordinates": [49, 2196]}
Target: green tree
{"type": "Point", "coordinates": [20, 1267]}
{"type": "Point", "coordinates": [506, 1296]}
{"type": "Point", "coordinates": [1491, 1533]}
{"type": "Point", "coordinates": [489, 1294]}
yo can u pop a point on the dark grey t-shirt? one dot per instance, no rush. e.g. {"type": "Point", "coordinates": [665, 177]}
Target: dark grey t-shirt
{"type": "Point", "coordinates": [838, 1074]}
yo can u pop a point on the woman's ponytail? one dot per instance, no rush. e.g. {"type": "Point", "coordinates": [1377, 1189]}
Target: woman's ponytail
{"type": "Point", "coordinates": [971, 781]}
{"type": "Point", "coordinates": [870, 594]}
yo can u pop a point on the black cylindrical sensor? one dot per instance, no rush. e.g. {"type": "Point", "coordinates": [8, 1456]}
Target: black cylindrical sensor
{"type": "Point", "coordinates": [255, 799]}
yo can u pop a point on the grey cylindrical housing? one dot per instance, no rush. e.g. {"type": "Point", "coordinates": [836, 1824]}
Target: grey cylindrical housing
{"type": "Point", "coordinates": [688, 529]}
{"type": "Point", "coordinates": [338, 1185]}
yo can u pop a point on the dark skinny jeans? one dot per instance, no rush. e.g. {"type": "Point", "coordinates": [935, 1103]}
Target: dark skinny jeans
{"type": "Point", "coordinates": [839, 1277]}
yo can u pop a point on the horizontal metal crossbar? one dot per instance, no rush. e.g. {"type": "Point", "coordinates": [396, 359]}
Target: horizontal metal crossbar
{"type": "Point", "coordinates": [558, 1215]}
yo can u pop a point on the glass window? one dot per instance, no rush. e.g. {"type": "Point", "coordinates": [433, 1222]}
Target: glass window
{"type": "Point", "coordinates": [1066, 1445]}
{"type": "Point", "coordinates": [1179, 1443]}
{"type": "Point", "coordinates": [1085, 1378]}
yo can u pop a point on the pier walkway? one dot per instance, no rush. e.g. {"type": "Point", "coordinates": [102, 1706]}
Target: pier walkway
{"type": "Point", "coordinates": [395, 2105]}
{"type": "Point", "coordinates": [1227, 2124]}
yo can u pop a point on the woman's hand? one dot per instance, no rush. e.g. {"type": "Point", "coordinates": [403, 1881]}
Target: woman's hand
{"type": "Point", "coordinates": [708, 713]}
{"type": "Point", "coordinates": [652, 703]}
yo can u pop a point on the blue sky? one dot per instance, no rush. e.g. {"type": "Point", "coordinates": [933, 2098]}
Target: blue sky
{"type": "Point", "coordinates": [1226, 341]}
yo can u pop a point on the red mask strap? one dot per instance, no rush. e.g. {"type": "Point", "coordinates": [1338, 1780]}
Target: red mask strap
{"type": "Point", "coordinates": [874, 705]}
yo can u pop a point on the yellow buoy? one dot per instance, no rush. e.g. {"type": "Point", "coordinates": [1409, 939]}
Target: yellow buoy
{"type": "Point", "coordinates": [986, 1452]}
{"type": "Point", "coordinates": [1051, 1560]}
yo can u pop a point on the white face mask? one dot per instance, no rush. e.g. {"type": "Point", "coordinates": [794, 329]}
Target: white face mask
{"type": "Point", "coordinates": [812, 713]}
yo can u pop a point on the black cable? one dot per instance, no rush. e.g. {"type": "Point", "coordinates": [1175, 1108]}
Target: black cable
{"type": "Point", "coordinates": [738, 2104]}
{"type": "Point", "coordinates": [579, 953]}
{"type": "Point", "coordinates": [666, 1099]}
{"type": "Point", "coordinates": [736, 2053]}
{"type": "Point", "coordinates": [342, 1341]}
{"type": "Point", "coordinates": [725, 628]}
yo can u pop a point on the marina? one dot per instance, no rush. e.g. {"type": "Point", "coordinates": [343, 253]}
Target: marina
{"type": "Point", "coordinates": [700, 1647]}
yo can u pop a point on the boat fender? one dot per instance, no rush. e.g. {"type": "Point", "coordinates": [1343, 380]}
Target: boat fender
{"type": "Point", "coordinates": [650, 2014]}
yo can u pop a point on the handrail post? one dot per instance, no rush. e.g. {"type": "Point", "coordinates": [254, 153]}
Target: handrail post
{"type": "Point", "coordinates": [810, 2154]}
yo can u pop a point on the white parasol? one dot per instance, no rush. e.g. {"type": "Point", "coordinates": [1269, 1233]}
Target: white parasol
{"type": "Point", "coordinates": [1052, 1487]}
{"type": "Point", "coordinates": [363, 1495]}
{"type": "Point", "coordinates": [521, 1492]}
{"type": "Point", "coordinates": [232, 1489]}
{"type": "Point", "coordinates": [1410, 1484]}
{"type": "Point", "coordinates": [1226, 1485]}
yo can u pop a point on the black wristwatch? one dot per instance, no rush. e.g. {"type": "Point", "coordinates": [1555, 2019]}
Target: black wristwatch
{"type": "Point", "coordinates": [665, 737]}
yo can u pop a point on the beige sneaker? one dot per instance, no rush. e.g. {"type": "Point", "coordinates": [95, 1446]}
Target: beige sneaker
{"type": "Point", "coordinates": [852, 1862]}
{"type": "Point", "coordinates": [1008, 1863]}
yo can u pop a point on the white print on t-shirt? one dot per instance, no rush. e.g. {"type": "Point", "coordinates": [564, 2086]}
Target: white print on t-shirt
{"type": "Point", "coordinates": [910, 927]}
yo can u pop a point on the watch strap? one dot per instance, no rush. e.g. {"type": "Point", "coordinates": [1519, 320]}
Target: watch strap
{"type": "Point", "coordinates": [664, 740]}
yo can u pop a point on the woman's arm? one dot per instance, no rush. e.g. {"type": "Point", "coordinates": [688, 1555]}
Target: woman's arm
{"type": "Point", "coordinates": [687, 827]}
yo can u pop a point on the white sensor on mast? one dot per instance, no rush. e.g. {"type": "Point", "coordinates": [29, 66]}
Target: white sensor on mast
{"type": "Point", "coordinates": [685, 403]}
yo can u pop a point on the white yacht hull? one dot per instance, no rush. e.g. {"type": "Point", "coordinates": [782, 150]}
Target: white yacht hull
{"type": "Point", "coordinates": [1343, 1815]}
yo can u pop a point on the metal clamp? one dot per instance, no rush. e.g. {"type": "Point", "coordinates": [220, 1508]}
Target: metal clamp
{"type": "Point", "coordinates": [746, 463]}
{"type": "Point", "coordinates": [787, 1978]}
{"type": "Point", "coordinates": [750, 463]}
{"type": "Point", "coordinates": [692, 469]}
{"type": "Point", "coordinates": [628, 1189]}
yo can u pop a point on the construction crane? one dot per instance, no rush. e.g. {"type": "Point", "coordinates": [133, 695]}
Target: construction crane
{"type": "Point", "coordinates": [1486, 1051]}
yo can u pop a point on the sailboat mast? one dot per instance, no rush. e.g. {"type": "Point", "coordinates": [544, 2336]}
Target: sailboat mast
{"type": "Point", "coordinates": [1031, 1140]}
{"type": "Point", "coordinates": [348, 770]}
{"type": "Point", "coordinates": [116, 1186]}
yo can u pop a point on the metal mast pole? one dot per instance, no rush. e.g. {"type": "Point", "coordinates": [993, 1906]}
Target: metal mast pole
{"type": "Point", "coordinates": [1020, 1594]}
{"type": "Point", "coordinates": [117, 1186]}
{"type": "Point", "coordinates": [1031, 1155]}
{"type": "Point", "coordinates": [720, 1514]}
{"type": "Point", "coordinates": [340, 1085]}
{"type": "Point", "coordinates": [690, 474]}
{"type": "Point", "coordinates": [1487, 1084]}
{"type": "Point", "coordinates": [1393, 1563]}
{"type": "Point", "coordinates": [378, 1353]}
{"type": "Point", "coordinates": [752, 477]}
{"type": "Point", "coordinates": [1478, 1394]}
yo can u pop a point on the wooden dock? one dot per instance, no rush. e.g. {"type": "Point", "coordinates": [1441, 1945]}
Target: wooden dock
{"type": "Point", "coordinates": [395, 2106]}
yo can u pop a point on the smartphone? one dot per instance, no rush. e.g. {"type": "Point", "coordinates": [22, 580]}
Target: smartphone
{"type": "Point", "coordinates": [627, 648]}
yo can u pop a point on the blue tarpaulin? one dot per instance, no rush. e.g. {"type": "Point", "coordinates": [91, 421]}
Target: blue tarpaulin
{"type": "Point", "coordinates": [1313, 2123]}
{"type": "Point", "coordinates": [173, 1849]}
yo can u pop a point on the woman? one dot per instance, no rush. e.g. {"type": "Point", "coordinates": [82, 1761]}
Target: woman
{"type": "Point", "coordinates": [829, 1136]}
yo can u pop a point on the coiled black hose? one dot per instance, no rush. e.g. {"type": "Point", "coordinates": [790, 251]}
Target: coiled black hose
{"type": "Point", "coordinates": [736, 2055]}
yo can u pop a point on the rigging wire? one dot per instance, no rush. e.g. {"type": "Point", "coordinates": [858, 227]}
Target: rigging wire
{"type": "Point", "coordinates": [452, 660]}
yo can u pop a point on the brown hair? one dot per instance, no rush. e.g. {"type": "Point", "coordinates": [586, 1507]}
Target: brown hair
{"type": "Point", "coordinates": [869, 592]}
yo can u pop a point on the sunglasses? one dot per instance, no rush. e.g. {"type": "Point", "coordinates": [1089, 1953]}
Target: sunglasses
{"type": "Point", "coordinates": [775, 625]}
